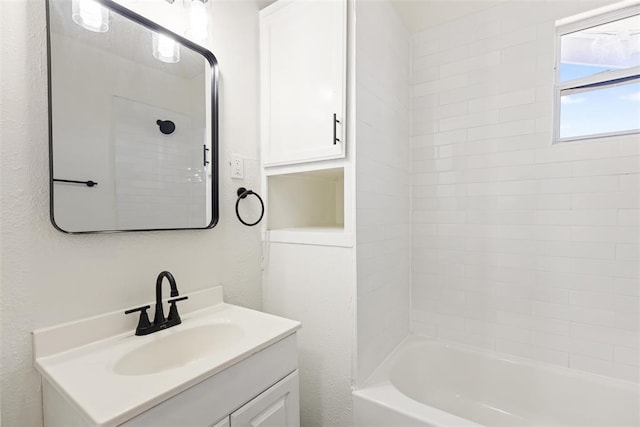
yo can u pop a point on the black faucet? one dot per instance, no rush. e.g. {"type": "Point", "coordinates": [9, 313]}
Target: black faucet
{"type": "Point", "coordinates": [159, 322]}
{"type": "Point", "coordinates": [159, 316]}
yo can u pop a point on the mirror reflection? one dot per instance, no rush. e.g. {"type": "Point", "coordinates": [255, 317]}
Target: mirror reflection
{"type": "Point", "coordinates": [133, 116]}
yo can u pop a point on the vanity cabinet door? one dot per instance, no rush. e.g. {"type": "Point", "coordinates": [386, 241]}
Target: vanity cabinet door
{"type": "Point", "coordinates": [277, 407]}
{"type": "Point", "coordinates": [222, 423]}
{"type": "Point", "coordinates": [303, 72]}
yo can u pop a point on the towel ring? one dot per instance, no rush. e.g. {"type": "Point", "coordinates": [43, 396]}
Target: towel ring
{"type": "Point", "coordinates": [242, 194]}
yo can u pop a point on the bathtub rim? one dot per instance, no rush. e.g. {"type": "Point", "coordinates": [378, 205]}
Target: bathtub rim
{"type": "Point", "coordinates": [387, 396]}
{"type": "Point", "coordinates": [378, 389]}
{"type": "Point", "coordinates": [381, 373]}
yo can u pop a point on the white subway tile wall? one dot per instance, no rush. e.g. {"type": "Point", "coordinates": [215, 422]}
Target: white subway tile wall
{"type": "Point", "coordinates": [518, 245]}
{"type": "Point", "coordinates": [383, 182]}
{"type": "Point", "coordinates": [145, 199]}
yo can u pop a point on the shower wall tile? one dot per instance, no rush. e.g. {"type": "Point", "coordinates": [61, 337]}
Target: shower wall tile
{"type": "Point", "coordinates": [518, 245]}
{"type": "Point", "coordinates": [383, 181]}
{"type": "Point", "coordinates": [627, 356]}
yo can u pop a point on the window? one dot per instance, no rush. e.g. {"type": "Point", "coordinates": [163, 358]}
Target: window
{"type": "Point", "coordinates": [597, 91]}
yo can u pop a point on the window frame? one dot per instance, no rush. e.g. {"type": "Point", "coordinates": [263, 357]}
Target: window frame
{"type": "Point", "coordinates": [582, 84]}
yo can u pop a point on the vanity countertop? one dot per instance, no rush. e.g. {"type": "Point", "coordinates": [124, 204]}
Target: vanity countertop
{"type": "Point", "coordinates": [101, 368]}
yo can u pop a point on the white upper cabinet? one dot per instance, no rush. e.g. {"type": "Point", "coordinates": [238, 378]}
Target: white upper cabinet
{"type": "Point", "coordinates": [303, 80]}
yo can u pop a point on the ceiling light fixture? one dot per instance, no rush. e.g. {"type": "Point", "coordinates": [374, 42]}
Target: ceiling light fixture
{"type": "Point", "coordinates": [198, 20]}
{"type": "Point", "coordinates": [165, 48]}
{"type": "Point", "coordinates": [90, 15]}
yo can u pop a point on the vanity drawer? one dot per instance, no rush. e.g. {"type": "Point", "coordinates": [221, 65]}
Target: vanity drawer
{"type": "Point", "coordinates": [218, 396]}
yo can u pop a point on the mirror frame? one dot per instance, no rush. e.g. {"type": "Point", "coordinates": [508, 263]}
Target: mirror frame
{"type": "Point", "coordinates": [213, 63]}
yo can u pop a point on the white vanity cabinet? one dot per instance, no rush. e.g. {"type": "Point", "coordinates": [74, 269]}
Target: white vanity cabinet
{"type": "Point", "coordinates": [224, 366]}
{"type": "Point", "coordinates": [259, 391]}
{"type": "Point", "coordinates": [223, 423]}
{"type": "Point", "coordinates": [277, 407]}
{"type": "Point", "coordinates": [303, 81]}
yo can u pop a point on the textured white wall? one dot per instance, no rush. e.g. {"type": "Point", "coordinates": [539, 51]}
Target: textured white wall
{"type": "Point", "coordinates": [518, 245]}
{"type": "Point", "coordinates": [313, 284]}
{"type": "Point", "coordinates": [382, 182]}
{"type": "Point", "coordinates": [48, 277]}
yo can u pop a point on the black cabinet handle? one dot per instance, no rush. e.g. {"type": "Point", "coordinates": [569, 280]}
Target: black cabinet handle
{"type": "Point", "coordinates": [204, 154]}
{"type": "Point", "coordinates": [335, 131]}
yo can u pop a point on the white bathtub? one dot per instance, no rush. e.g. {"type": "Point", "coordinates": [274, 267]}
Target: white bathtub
{"type": "Point", "coordinates": [430, 383]}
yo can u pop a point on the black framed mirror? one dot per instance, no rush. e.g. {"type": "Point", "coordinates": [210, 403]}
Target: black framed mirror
{"type": "Point", "coordinates": [133, 122]}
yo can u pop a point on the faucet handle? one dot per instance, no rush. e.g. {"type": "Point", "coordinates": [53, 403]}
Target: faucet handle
{"type": "Point", "coordinates": [174, 317]}
{"type": "Point", "coordinates": [142, 309]}
{"type": "Point", "coordinates": [143, 322]}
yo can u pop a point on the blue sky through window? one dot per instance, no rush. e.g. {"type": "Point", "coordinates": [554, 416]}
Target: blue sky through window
{"type": "Point", "coordinates": [576, 71]}
{"type": "Point", "coordinates": [602, 110]}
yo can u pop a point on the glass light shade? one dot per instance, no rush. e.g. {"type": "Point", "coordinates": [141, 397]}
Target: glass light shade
{"type": "Point", "coordinates": [165, 49]}
{"type": "Point", "coordinates": [90, 15]}
{"type": "Point", "coordinates": [197, 27]}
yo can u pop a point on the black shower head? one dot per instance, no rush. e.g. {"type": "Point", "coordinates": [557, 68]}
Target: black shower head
{"type": "Point", "coordinates": [167, 127]}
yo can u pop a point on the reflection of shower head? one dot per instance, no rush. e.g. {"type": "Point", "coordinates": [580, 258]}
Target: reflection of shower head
{"type": "Point", "coordinates": [166, 126]}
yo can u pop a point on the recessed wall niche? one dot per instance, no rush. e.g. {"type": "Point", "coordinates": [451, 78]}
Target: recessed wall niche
{"type": "Point", "coordinates": [312, 200]}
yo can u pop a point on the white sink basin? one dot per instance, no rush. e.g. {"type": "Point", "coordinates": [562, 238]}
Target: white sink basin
{"type": "Point", "coordinates": [109, 375]}
{"type": "Point", "coordinates": [177, 349]}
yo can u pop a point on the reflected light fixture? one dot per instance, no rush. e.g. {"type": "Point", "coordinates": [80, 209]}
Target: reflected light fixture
{"type": "Point", "coordinates": [165, 48]}
{"type": "Point", "coordinates": [198, 21]}
{"type": "Point", "coordinates": [90, 15]}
